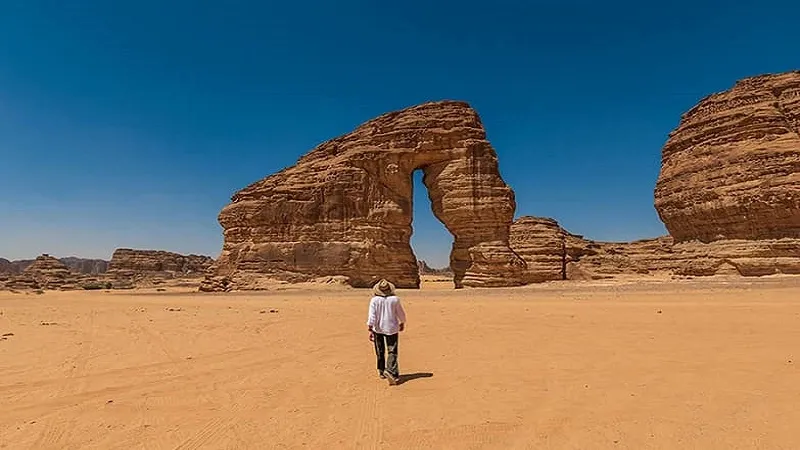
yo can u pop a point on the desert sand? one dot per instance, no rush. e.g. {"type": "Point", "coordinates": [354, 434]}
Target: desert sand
{"type": "Point", "coordinates": [705, 364]}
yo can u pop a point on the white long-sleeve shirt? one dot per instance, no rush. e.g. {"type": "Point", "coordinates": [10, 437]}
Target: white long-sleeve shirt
{"type": "Point", "coordinates": [385, 314]}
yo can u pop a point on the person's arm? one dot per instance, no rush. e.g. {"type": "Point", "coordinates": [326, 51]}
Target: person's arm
{"type": "Point", "coordinates": [401, 314]}
{"type": "Point", "coordinates": [371, 319]}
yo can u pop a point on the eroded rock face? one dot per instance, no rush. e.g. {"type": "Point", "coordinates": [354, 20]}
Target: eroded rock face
{"type": "Point", "coordinates": [345, 207]}
{"type": "Point", "coordinates": [731, 170]}
{"type": "Point", "coordinates": [553, 254]}
{"type": "Point", "coordinates": [541, 243]}
{"type": "Point", "coordinates": [85, 266]}
{"type": "Point", "coordinates": [425, 269]}
{"type": "Point", "coordinates": [130, 262]}
{"type": "Point", "coordinates": [77, 265]}
{"type": "Point", "coordinates": [47, 272]}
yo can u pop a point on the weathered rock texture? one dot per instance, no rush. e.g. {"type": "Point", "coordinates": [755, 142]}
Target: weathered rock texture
{"type": "Point", "coordinates": [345, 207]}
{"type": "Point", "coordinates": [425, 269]}
{"type": "Point", "coordinates": [85, 266]}
{"type": "Point", "coordinates": [552, 253]}
{"type": "Point", "coordinates": [731, 170]}
{"type": "Point", "coordinates": [45, 272]}
{"type": "Point", "coordinates": [541, 243]}
{"type": "Point", "coordinates": [128, 269]}
{"type": "Point", "coordinates": [138, 264]}
{"type": "Point", "coordinates": [77, 265]}
{"type": "Point", "coordinates": [14, 267]}
{"type": "Point", "coordinates": [49, 273]}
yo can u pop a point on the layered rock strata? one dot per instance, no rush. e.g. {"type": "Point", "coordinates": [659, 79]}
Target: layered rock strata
{"type": "Point", "coordinates": [49, 273]}
{"type": "Point", "coordinates": [85, 266]}
{"type": "Point", "coordinates": [137, 264]}
{"type": "Point", "coordinates": [45, 272]}
{"type": "Point", "coordinates": [541, 243]}
{"type": "Point", "coordinates": [345, 208]}
{"type": "Point", "coordinates": [77, 265]}
{"type": "Point", "coordinates": [731, 170]}
{"type": "Point", "coordinates": [552, 253]}
{"type": "Point", "coordinates": [425, 269]}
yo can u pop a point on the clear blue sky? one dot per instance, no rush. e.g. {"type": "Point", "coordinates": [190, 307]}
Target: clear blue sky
{"type": "Point", "coordinates": [130, 124]}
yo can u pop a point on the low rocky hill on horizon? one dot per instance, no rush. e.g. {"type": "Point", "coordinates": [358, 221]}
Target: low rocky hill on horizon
{"type": "Point", "coordinates": [127, 268]}
{"type": "Point", "coordinates": [75, 264]}
{"type": "Point", "coordinates": [425, 269]}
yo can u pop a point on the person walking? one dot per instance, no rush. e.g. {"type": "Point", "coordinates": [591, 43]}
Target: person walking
{"type": "Point", "coordinates": [386, 319]}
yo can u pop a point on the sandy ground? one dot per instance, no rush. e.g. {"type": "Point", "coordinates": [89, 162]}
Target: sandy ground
{"type": "Point", "coordinates": [711, 364]}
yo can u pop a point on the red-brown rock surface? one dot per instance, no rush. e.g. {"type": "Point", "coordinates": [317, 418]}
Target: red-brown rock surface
{"type": "Point", "coordinates": [731, 170]}
{"type": "Point", "coordinates": [77, 265]}
{"type": "Point", "coordinates": [552, 253]}
{"type": "Point", "coordinates": [425, 269]}
{"type": "Point", "coordinates": [49, 272]}
{"type": "Point", "coordinates": [45, 272]}
{"type": "Point", "coordinates": [345, 207]}
{"type": "Point", "coordinates": [127, 262]}
{"type": "Point", "coordinates": [540, 242]}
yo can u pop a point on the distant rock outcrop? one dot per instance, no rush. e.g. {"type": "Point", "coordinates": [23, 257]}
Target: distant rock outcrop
{"type": "Point", "coordinates": [127, 269]}
{"type": "Point", "coordinates": [45, 272]}
{"type": "Point", "coordinates": [540, 242]}
{"type": "Point", "coordinates": [553, 254]}
{"type": "Point", "coordinates": [85, 266]}
{"type": "Point", "coordinates": [345, 208]}
{"type": "Point", "coordinates": [14, 267]}
{"type": "Point", "coordinates": [49, 272]}
{"type": "Point", "coordinates": [425, 269]}
{"type": "Point", "coordinates": [77, 265]}
{"type": "Point", "coordinates": [731, 170]}
{"type": "Point", "coordinates": [135, 265]}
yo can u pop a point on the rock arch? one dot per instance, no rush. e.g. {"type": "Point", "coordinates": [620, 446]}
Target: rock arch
{"type": "Point", "coordinates": [345, 208]}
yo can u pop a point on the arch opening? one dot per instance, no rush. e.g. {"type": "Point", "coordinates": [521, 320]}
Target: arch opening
{"type": "Point", "coordinates": [431, 241]}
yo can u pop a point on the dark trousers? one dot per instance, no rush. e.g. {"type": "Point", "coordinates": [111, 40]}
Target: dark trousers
{"type": "Point", "coordinates": [384, 342]}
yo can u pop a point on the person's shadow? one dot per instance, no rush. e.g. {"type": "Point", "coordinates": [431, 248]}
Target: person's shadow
{"type": "Point", "coordinates": [413, 376]}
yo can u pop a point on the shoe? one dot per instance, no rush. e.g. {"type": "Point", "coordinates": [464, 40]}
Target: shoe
{"type": "Point", "coordinates": [382, 375]}
{"type": "Point", "coordinates": [393, 380]}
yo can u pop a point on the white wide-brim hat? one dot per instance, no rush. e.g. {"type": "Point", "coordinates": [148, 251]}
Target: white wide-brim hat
{"type": "Point", "coordinates": [383, 288]}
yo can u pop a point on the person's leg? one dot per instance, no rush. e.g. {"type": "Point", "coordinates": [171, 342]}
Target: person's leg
{"type": "Point", "coordinates": [380, 350]}
{"type": "Point", "coordinates": [391, 363]}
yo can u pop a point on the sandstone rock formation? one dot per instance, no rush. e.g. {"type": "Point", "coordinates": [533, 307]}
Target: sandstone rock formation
{"type": "Point", "coordinates": [45, 272]}
{"type": "Point", "coordinates": [541, 243]}
{"type": "Point", "coordinates": [77, 265]}
{"type": "Point", "coordinates": [731, 170]}
{"type": "Point", "coordinates": [48, 272]}
{"type": "Point", "coordinates": [425, 269]}
{"type": "Point", "coordinates": [345, 207]}
{"type": "Point", "coordinates": [552, 253]}
{"type": "Point", "coordinates": [728, 193]}
{"type": "Point", "coordinates": [14, 267]}
{"type": "Point", "coordinates": [133, 265]}
{"type": "Point", "coordinates": [128, 269]}
{"type": "Point", "coordinates": [85, 266]}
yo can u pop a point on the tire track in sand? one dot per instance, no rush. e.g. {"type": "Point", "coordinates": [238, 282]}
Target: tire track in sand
{"type": "Point", "coordinates": [370, 422]}
{"type": "Point", "coordinates": [213, 430]}
{"type": "Point", "coordinates": [54, 431]}
{"type": "Point", "coordinates": [474, 436]}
